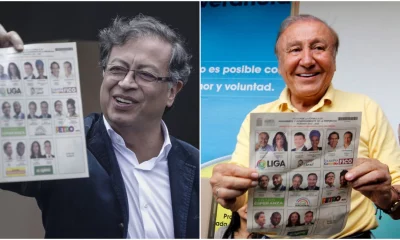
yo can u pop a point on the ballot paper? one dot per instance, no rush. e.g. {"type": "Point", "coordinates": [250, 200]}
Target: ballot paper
{"type": "Point", "coordinates": [41, 123]}
{"type": "Point", "coordinates": [301, 159]}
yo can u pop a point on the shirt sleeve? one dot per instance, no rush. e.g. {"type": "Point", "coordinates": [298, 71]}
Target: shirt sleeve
{"type": "Point", "coordinates": [383, 145]}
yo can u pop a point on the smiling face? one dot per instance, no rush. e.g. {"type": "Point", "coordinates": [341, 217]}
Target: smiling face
{"type": "Point", "coordinates": [9, 150]}
{"type": "Point", "coordinates": [55, 69]}
{"type": "Point", "coordinates": [263, 182]}
{"type": "Point", "coordinates": [40, 68]}
{"type": "Point", "coordinates": [44, 107]}
{"type": "Point", "coordinates": [299, 141]}
{"type": "Point", "coordinates": [20, 149]}
{"type": "Point", "coordinates": [296, 182]}
{"type": "Point", "coordinates": [32, 109]}
{"type": "Point", "coordinates": [308, 217]}
{"type": "Point", "coordinates": [67, 68]}
{"type": "Point", "coordinates": [279, 140]}
{"type": "Point", "coordinates": [347, 139]}
{"type": "Point", "coordinates": [277, 180]}
{"type": "Point", "coordinates": [312, 181]}
{"type": "Point", "coordinates": [6, 109]}
{"type": "Point", "coordinates": [58, 106]}
{"type": "Point", "coordinates": [13, 69]}
{"type": "Point", "coordinates": [261, 219]}
{"type": "Point", "coordinates": [343, 181]}
{"type": "Point", "coordinates": [125, 103]}
{"type": "Point", "coordinates": [35, 148]}
{"type": "Point", "coordinates": [333, 140]}
{"type": "Point", "coordinates": [330, 179]}
{"type": "Point", "coordinates": [47, 147]}
{"type": "Point", "coordinates": [276, 219]}
{"type": "Point", "coordinates": [71, 109]}
{"type": "Point", "coordinates": [293, 218]}
{"type": "Point", "coordinates": [17, 107]}
{"type": "Point", "coordinates": [306, 58]}
{"type": "Point", "coordinates": [28, 69]}
{"type": "Point", "coordinates": [263, 139]}
{"type": "Point", "coordinates": [314, 142]}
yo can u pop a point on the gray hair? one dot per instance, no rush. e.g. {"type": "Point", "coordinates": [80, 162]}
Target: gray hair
{"type": "Point", "coordinates": [122, 31]}
{"type": "Point", "coordinates": [305, 17]}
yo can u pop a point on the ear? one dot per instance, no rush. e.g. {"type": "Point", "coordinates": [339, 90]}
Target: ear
{"type": "Point", "coordinates": [173, 91]}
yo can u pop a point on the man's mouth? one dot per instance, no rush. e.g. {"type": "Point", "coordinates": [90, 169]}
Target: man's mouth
{"type": "Point", "coordinates": [307, 74]}
{"type": "Point", "coordinates": [123, 100]}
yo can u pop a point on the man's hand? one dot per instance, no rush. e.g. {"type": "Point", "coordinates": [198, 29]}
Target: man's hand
{"type": "Point", "coordinates": [373, 180]}
{"type": "Point", "coordinates": [9, 39]}
{"type": "Point", "coordinates": [230, 181]}
{"type": "Point", "coordinates": [258, 146]}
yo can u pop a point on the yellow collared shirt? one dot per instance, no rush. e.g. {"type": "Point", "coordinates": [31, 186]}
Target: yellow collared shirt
{"type": "Point", "coordinates": [377, 141]}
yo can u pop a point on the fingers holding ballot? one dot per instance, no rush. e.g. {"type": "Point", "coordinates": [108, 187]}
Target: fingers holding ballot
{"type": "Point", "coordinates": [10, 39]}
{"type": "Point", "coordinates": [372, 178]}
{"type": "Point", "coordinates": [230, 181]}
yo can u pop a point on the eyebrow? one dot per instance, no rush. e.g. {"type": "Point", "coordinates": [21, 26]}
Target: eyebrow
{"type": "Point", "coordinates": [118, 60]}
{"type": "Point", "coordinates": [139, 66]}
{"type": "Point", "coordinates": [149, 65]}
{"type": "Point", "coordinates": [314, 41]}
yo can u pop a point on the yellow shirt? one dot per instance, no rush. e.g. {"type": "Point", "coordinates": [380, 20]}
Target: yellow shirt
{"type": "Point", "coordinates": [377, 141]}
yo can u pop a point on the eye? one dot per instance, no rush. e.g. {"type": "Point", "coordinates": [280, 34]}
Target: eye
{"type": "Point", "coordinates": [294, 49]}
{"type": "Point", "coordinates": [146, 76]}
{"type": "Point", "coordinates": [117, 70]}
{"type": "Point", "coordinates": [319, 47]}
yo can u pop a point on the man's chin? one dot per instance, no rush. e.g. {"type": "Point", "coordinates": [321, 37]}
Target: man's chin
{"type": "Point", "coordinates": [120, 121]}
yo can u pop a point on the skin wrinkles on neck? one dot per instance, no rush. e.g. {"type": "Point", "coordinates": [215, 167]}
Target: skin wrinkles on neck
{"type": "Point", "coordinates": [304, 104]}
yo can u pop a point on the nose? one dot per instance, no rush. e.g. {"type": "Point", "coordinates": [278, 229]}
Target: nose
{"type": "Point", "coordinates": [129, 82]}
{"type": "Point", "coordinates": [307, 59]}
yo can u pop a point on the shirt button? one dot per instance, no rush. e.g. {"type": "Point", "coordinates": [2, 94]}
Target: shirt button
{"type": "Point", "coordinates": [121, 225]}
{"type": "Point", "coordinates": [145, 206]}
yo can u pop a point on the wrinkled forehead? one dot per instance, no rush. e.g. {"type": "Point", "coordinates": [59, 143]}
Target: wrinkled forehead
{"type": "Point", "coordinates": [308, 30]}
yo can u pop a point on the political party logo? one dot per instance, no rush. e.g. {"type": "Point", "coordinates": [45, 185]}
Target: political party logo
{"type": "Point", "coordinates": [345, 160]}
{"type": "Point", "coordinates": [65, 129]}
{"type": "Point", "coordinates": [302, 202]}
{"type": "Point", "coordinates": [308, 163]}
{"type": "Point", "coordinates": [13, 131]}
{"type": "Point", "coordinates": [10, 91]}
{"type": "Point", "coordinates": [276, 163]}
{"type": "Point", "coordinates": [331, 162]}
{"type": "Point", "coordinates": [278, 202]}
{"type": "Point", "coordinates": [331, 199]}
{"type": "Point", "coordinates": [43, 170]}
{"type": "Point", "coordinates": [64, 90]}
{"type": "Point", "coordinates": [261, 164]}
{"type": "Point", "coordinates": [40, 131]}
{"type": "Point", "coordinates": [15, 171]}
{"type": "Point", "coordinates": [37, 91]}
{"type": "Point", "coordinates": [298, 233]}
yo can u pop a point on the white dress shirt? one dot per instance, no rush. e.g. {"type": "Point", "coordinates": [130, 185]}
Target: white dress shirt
{"type": "Point", "coordinates": [29, 77]}
{"type": "Point", "coordinates": [147, 187]}
{"type": "Point", "coordinates": [350, 147]}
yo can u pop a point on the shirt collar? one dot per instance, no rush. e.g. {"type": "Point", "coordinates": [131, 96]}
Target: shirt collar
{"type": "Point", "coordinates": [117, 139]}
{"type": "Point", "coordinates": [285, 103]}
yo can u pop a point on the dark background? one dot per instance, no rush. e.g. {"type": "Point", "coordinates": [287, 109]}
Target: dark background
{"type": "Point", "coordinates": [39, 22]}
